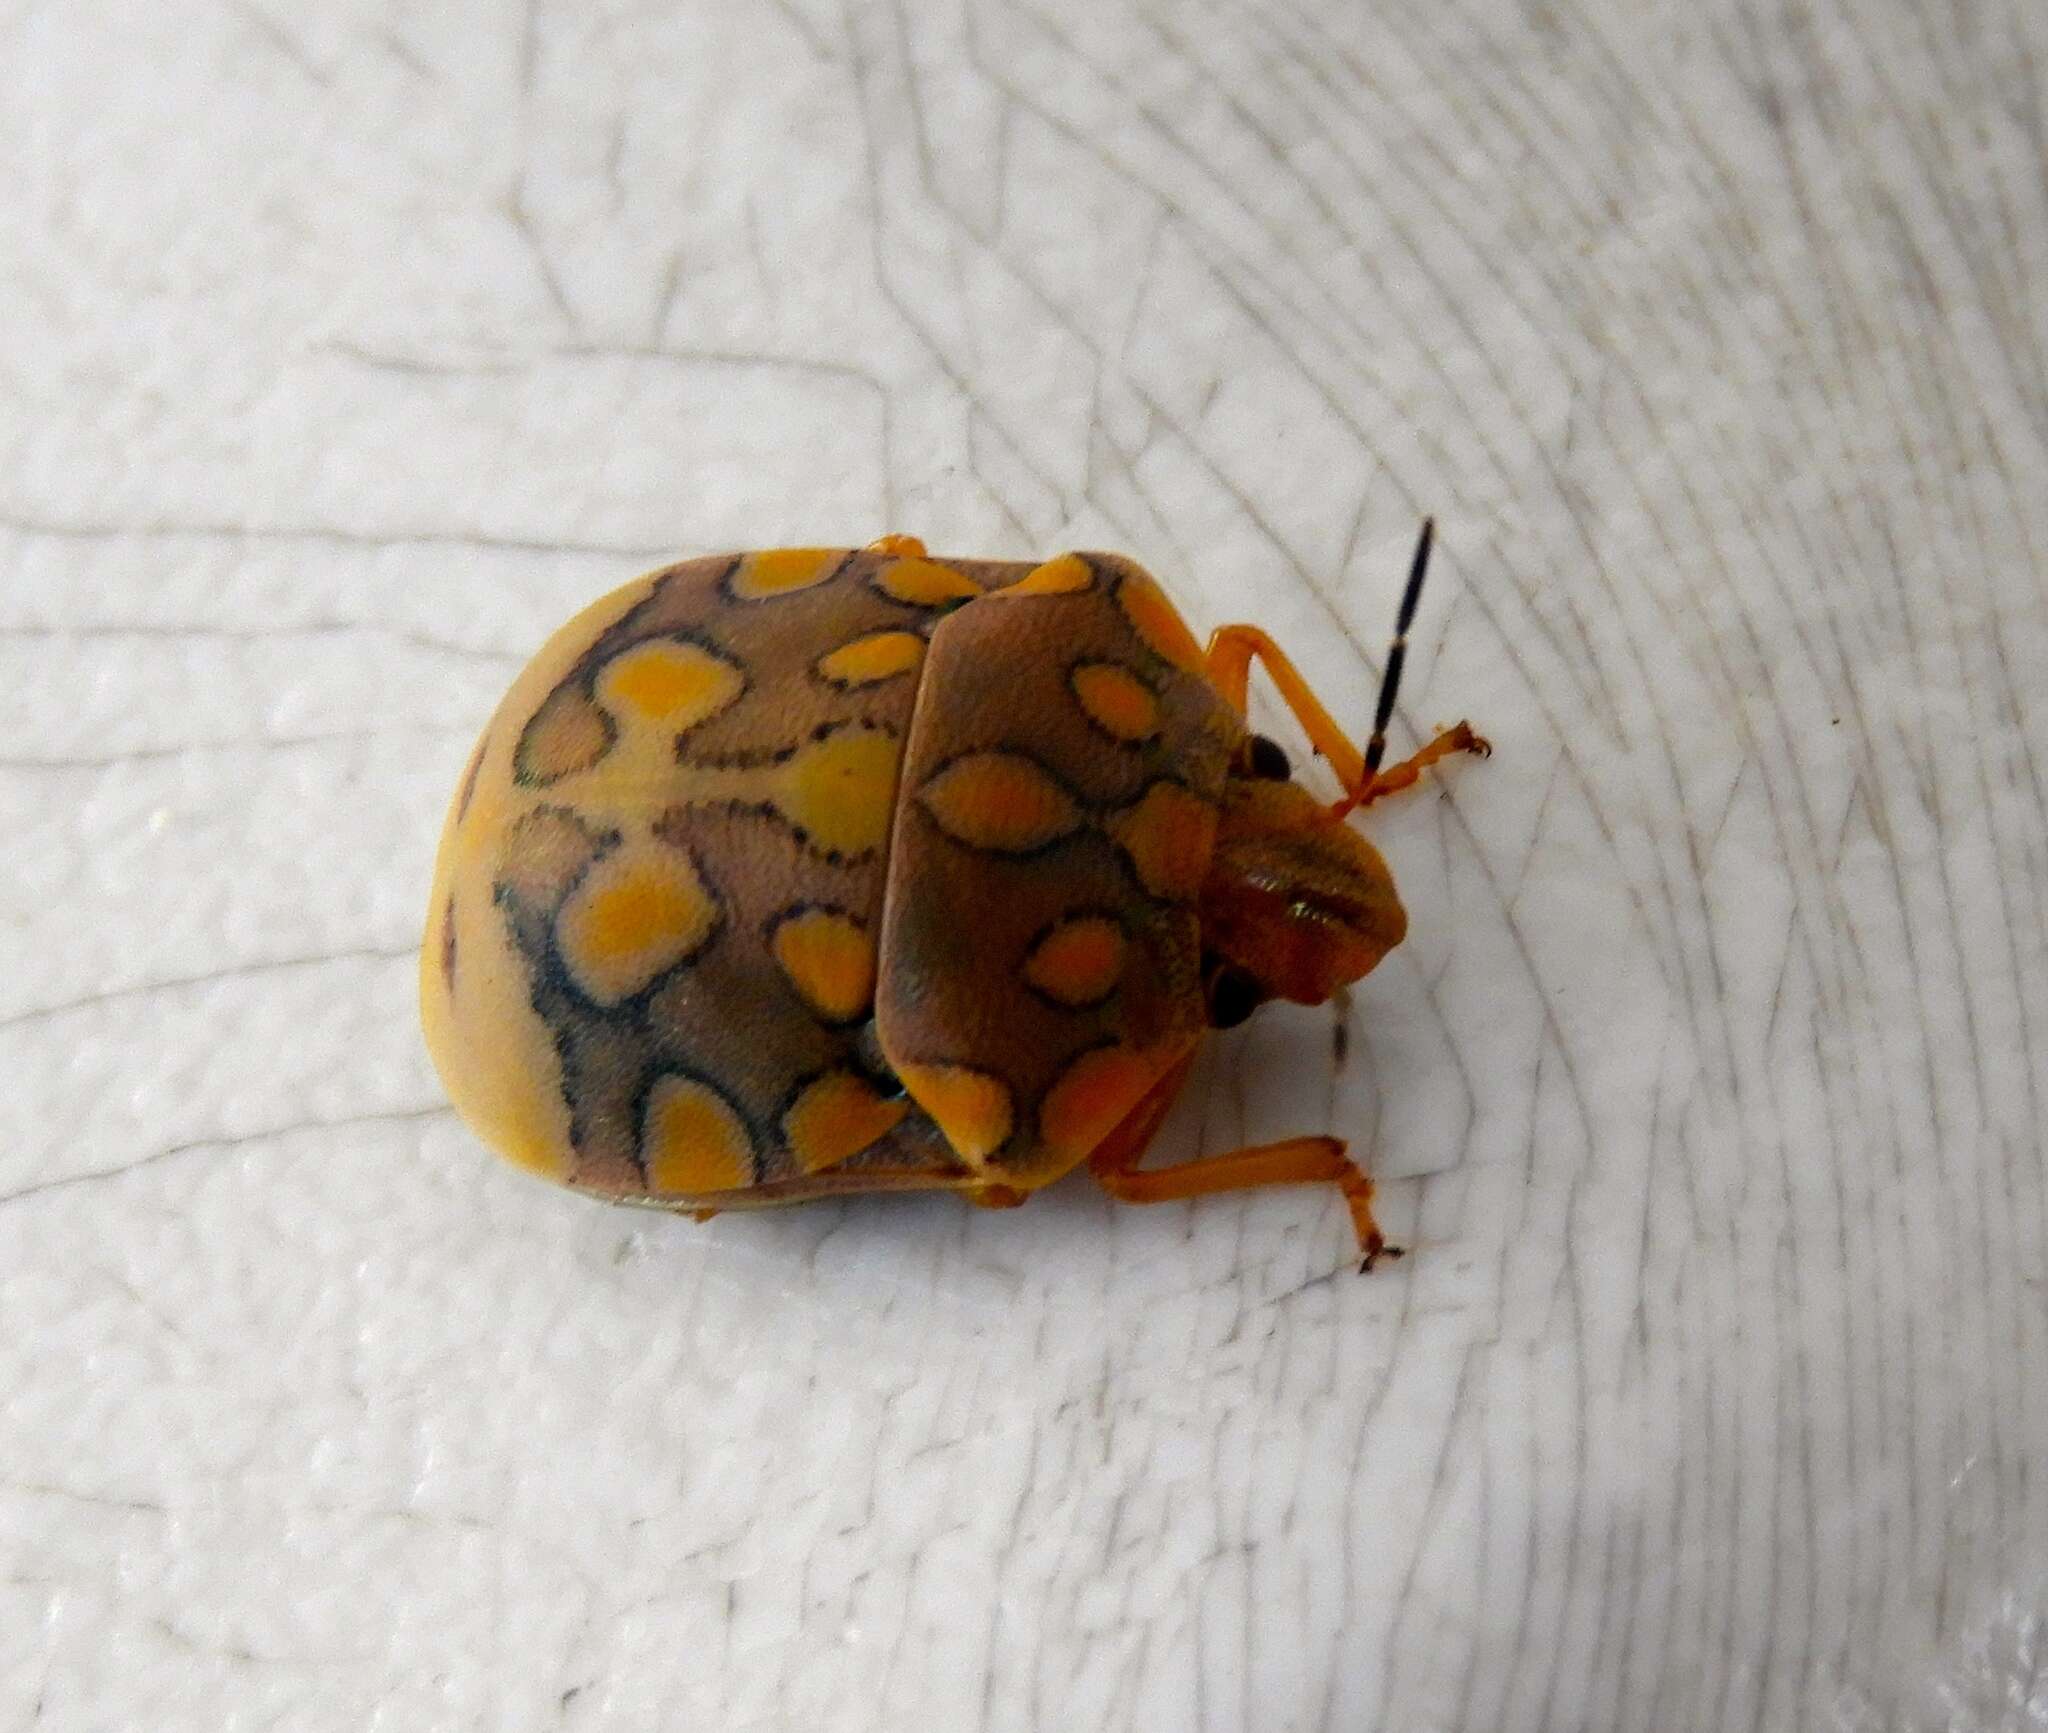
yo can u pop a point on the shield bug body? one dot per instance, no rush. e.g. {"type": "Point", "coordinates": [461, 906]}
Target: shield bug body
{"type": "Point", "coordinates": [788, 874]}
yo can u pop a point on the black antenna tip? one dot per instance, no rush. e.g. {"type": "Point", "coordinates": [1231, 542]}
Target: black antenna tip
{"type": "Point", "coordinates": [1416, 568]}
{"type": "Point", "coordinates": [1397, 652]}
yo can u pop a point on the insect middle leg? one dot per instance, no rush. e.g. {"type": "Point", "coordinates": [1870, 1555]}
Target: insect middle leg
{"type": "Point", "coordinates": [1294, 1161]}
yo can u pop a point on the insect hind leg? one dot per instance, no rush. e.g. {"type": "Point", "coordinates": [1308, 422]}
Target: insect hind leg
{"type": "Point", "coordinates": [1294, 1161]}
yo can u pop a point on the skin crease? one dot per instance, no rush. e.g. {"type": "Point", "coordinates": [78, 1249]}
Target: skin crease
{"type": "Point", "coordinates": [1300, 901]}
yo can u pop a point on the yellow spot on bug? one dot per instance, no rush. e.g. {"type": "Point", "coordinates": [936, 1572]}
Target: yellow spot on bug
{"type": "Point", "coordinates": [1155, 620]}
{"type": "Point", "coordinates": [924, 583]}
{"type": "Point", "coordinates": [1091, 1099]}
{"type": "Point", "coordinates": [1168, 836]}
{"type": "Point", "coordinates": [841, 790]}
{"type": "Point", "coordinates": [1079, 962]}
{"type": "Point", "coordinates": [779, 571]}
{"type": "Point", "coordinates": [693, 1141]}
{"type": "Point", "coordinates": [836, 1116]}
{"type": "Point", "coordinates": [1000, 801]}
{"type": "Point", "coordinates": [1067, 575]}
{"type": "Point", "coordinates": [830, 960]}
{"type": "Point", "coordinates": [878, 656]}
{"type": "Point", "coordinates": [636, 915]}
{"type": "Point", "coordinates": [1117, 701]}
{"type": "Point", "coordinates": [972, 1108]}
{"type": "Point", "coordinates": [567, 734]}
{"type": "Point", "coordinates": [670, 684]}
{"type": "Point", "coordinates": [838, 789]}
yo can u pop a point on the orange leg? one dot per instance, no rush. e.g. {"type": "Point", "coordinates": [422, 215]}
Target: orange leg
{"type": "Point", "coordinates": [1229, 659]}
{"type": "Point", "coordinates": [1297, 1161]}
{"type": "Point", "coordinates": [1231, 652]}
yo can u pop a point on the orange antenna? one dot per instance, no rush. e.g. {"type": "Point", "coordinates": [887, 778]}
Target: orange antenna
{"type": "Point", "coordinates": [1390, 682]}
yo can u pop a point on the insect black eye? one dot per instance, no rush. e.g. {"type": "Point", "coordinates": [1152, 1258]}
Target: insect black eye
{"type": "Point", "coordinates": [1233, 996]}
{"type": "Point", "coordinates": [1268, 760]}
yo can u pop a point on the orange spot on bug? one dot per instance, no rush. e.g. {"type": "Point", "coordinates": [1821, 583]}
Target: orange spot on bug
{"type": "Point", "coordinates": [1116, 700]}
{"type": "Point", "coordinates": [670, 684]}
{"type": "Point", "coordinates": [567, 734]}
{"type": "Point", "coordinates": [879, 656]}
{"type": "Point", "coordinates": [692, 1141]}
{"type": "Point", "coordinates": [1157, 622]}
{"type": "Point", "coordinates": [1169, 836]}
{"type": "Point", "coordinates": [830, 960]}
{"type": "Point", "coordinates": [900, 545]}
{"type": "Point", "coordinates": [780, 571]}
{"type": "Point", "coordinates": [1067, 575]}
{"type": "Point", "coordinates": [836, 1116]}
{"type": "Point", "coordinates": [924, 583]}
{"type": "Point", "coordinates": [1000, 801]}
{"type": "Point", "coordinates": [1079, 961]}
{"type": "Point", "coordinates": [636, 915]}
{"type": "Point", "coordinates": [1091, 1099]}
{"type": "Point", "coordinates": [972, 1108]}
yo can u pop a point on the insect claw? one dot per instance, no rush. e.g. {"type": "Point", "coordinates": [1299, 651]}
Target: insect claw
{"type": "Point", "coordinates": [1460, 738]}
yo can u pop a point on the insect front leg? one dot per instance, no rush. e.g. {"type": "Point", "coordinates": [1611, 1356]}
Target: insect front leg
{"type": "Point", "coordinates": [1232, 649]}
{"type": "Point", "coordinates": [1409, 770]}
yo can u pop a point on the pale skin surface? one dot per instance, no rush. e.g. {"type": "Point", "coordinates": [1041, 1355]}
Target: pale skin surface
{"type": "Point", "coordinates": [354, 348]}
